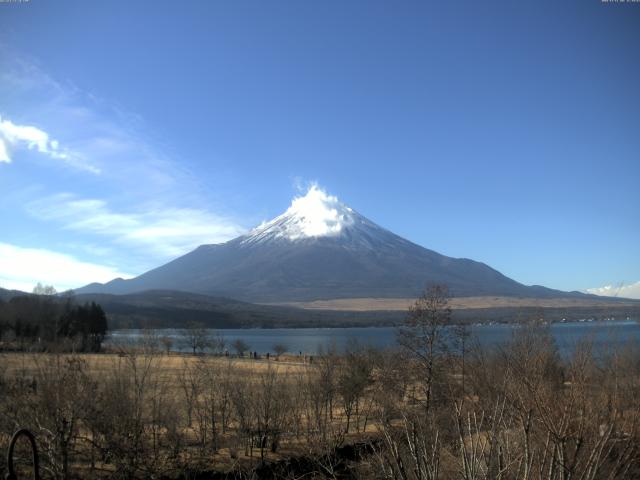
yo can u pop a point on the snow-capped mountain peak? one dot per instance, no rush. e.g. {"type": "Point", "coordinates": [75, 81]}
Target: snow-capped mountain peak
{"type": "Point", "coordinates": [320, 249]}
{"type": "Point", "coordinates": [316, 214]}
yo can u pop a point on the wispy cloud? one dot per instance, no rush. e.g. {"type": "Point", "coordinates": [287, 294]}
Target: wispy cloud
{"type": "Point", "coordinates": [144, 207]}
{"type": "Point", "coordinates": [620, 290]}
{"type": "Point", "coordinates": [98, 135]}
{"type": "Point", "coordinates": [15, 137]}
{"type": "Point", "coordinates": [21, 268]}
{"type": "Point", "coordinates": [167, 232]}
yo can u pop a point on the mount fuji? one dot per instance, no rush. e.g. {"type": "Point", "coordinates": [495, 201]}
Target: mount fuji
{"type": "Point", "coordinates": [320, 249]}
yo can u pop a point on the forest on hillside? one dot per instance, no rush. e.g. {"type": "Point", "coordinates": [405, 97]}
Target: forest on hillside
{"type": "Point", "coordinates": [42, 321]}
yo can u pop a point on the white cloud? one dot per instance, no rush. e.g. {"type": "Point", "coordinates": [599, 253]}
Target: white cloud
{"type": "Point", "coordinates": [13, 136]}
{"type": "Point", "coordinates": [315, 214]}
{"type": "Point", "coordinates": [4, 153]}
{"type": "Point", "coordinates": [21, 268]}
{"type": "Point", "coordinates": [318, 214]}
{"type": "Point", "coordinates": [99, 136]}
{"type": "Point", "coordinates": [621, 290]}
{"type": "Point", "coordinates": [166, 232]}
{"type": "Point", "coordinates": [31, 136]}
{"type": "Point", "coordinates": [146, 205]}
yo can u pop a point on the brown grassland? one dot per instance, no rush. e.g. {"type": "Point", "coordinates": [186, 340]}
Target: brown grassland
{"type": "Point", "coordinates": [176, 374]}
{"type": "Point", "coordinates": [457, 303]}
{"type": "Point", "coordinates": [437, 407]}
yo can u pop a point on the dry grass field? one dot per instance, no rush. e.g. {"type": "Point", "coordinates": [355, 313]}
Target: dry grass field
{"type": "Point", "coordinates": [172, 366]}
{"type": "Point", "coordinates": [471, 415]}
{"type": "Point", "coordinates": [207, 406]}
{"type": "Point", "coordinates": [459, 303]}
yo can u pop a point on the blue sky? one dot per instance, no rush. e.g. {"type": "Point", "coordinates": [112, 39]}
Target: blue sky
{"type": "Point", "coordinates": [506, 132]}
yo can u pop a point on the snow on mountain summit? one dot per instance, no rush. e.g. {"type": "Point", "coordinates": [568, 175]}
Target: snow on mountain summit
{"type": "Point", "coordinates": [315, 214]}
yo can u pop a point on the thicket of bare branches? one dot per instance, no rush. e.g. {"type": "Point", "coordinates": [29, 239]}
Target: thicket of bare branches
{"type": "Point", "coordinates": [430, 410]}
{"type": "Point", "coordinates": [519, 411]}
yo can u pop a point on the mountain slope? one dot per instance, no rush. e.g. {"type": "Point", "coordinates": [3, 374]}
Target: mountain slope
{"type": "Point", "coordinates": [6, 295]}
{"type": "Point", "coordinates": [320, 249]}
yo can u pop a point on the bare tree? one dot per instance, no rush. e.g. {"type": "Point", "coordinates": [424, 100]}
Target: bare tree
{"type": "Point", "coordinates": [149, 341]}
{"type": "Point", "coordinates": [424, 335]}
{"type": "Point", "coordinates": [167, 343]}
{"type": "Point", "coordinates": [354, 376]}
{"type": "Point", "coordinates": [270, 406]}
{"type": "Point", "coordinates": [240, 346]}
{"type": "Point", "coordinates": [120, 421]}
{"type": "Point", "coordinates": [63, 393]}
{"type": "Point", "coordinates": [279, 349]}
{"type": "Point", "coordinates": [196, 338]}
{"type": "Point", "coordinates": [189, 381]}
{"type": "Point", "coordinates": [41, 289]}
{"type": "Point", "coordinates": [217, 343]}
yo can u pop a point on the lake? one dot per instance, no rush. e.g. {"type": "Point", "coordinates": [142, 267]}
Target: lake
{"type": "Point", "coordinates": [603, 334]}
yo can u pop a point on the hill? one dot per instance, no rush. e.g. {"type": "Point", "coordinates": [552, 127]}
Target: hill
{"type": "Point", "coordinates": [175, 309]}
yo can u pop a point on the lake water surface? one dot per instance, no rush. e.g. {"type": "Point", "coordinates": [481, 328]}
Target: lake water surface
{"type": "Point", "coordinates": [603, 334]}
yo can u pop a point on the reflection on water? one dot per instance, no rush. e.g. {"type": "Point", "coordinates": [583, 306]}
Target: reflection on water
{"type": "Point", "coordinates": [603, 335]}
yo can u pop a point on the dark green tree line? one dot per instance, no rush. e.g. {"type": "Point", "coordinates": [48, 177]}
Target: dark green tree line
{"type": "Point", "coordinates": [47, 319]}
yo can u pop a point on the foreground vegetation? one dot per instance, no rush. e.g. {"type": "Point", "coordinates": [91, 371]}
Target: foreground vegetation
{"type": "Point", "coordinates": [438, 407]}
